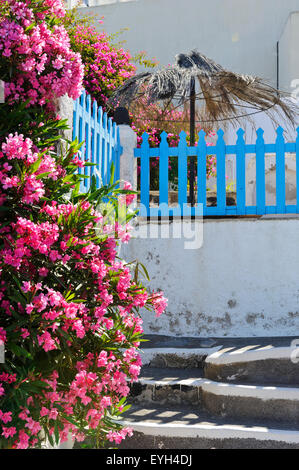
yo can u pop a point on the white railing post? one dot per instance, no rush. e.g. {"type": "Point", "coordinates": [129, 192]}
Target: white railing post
{"type": "Point", "coordinates": [65, 109]}
{"type": "Point", "coordinates": [128, 141]}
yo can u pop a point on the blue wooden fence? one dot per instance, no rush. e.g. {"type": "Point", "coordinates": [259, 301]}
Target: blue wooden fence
{"type": "Point", "coordinates": [182, 152]}
{"type": "Point", "coordinates": [101, 141]}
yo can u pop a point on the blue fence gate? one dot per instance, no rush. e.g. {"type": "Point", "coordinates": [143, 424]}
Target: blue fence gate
{"type": "Point", "coordinates": [102, 147]}
{"type": "Point", "coordinates": [220, 150]}
{"type": "Point", "coordinates": [101, 140]}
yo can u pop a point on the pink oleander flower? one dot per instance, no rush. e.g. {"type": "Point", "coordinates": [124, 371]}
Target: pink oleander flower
{"type": "Point", "coordinates": [5, 417]}
{"type": "Point", "coordinates": [159, 302]}
{"type": "Point", "coordinates": [46, 341]}
{"type": "Point", "coordinates": [25, 333]}
{"type": "Point", "coordinates": [8, 432]}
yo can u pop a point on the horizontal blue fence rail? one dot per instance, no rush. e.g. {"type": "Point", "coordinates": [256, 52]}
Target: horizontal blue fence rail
{"type": "Point", "coordinates": [101, 141]}
{"type": "Point", "coordinates": [240, 150]}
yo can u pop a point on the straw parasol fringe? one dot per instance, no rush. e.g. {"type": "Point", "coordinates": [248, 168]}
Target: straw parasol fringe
{"type": "Point", "coordinates": [225, 95]}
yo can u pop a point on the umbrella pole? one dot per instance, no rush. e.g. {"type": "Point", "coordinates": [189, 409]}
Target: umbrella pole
{"type": "Point", "coordinates": [192, 141]}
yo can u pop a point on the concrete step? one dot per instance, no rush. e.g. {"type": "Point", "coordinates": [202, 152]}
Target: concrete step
{"type": "Point", "coordinates": [177, 358]}
{"type": "Point", "coordinates": [168, 386]}
{"type": "Point", "coordinates": [254, 364]}
{"type": "Point", "coordinates": [188, 387]}
{"type": "Point", "coordinates": [159, 427]}
{"type": "Point", "coordinates": [253, 402]}
{"type": "Point", "coordinates": [243, 393]}
{"type": "Point", "coordinates": [191, 352]}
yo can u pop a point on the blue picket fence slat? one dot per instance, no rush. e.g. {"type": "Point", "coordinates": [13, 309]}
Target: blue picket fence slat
{"type": "Point", "coordinates": [220, 169]}
{"type": "Point", "coordinates": [280, 172]}
{"type": "Point", "coordinates": [201, 169]}
{"type": "Point", "coordinates": [182, 170]}
{"type": "Point", "coordinates": [145, 174]}
{"type": "Point", "coordinates": [260, 150]}
{"type": "Point", "coordinates": [101, 143]}
{"type": "Point", "coordinates": [260, 173]}
{"type": "Point", "coordinates": [240, 165]}
{"type": "Point", "coordinates": [163, 170]}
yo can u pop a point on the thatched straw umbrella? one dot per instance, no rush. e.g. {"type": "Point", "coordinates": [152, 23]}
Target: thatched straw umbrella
{"type": "Point", "coordinates": [223, 95]}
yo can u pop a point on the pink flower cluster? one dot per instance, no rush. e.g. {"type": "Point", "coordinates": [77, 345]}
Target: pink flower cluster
{"type": "Point", "coordinates": [30, 187]}
{"type": "Point", "coordinates": [52, 245]}
{"type": "Point", "coordinates": [91, 391]}
{"type": "Point", "coordinates": [44, 65]}
{"type": "Point", "coordinates": [106, 66]}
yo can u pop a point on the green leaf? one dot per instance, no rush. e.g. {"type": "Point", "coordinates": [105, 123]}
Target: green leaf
{"type": "Point", "coordinates": [18, 350]}
{"type": "Point", "coordinates": [112, 171]}
{"type": "Point", "coordinates": [42, 175]}
{"type": "Point", "coordinates": [49, 437]}
{"type": "Point", "coordinates": [68, 418]}
{"type": "Point", "coordinates": [36, 165]}
{"type": "Point", "coordinates": [56, 433]}
{"type": "Point", "coordinates": [126, 408]}
{"type": "Point", "coordinates": [144, 271]}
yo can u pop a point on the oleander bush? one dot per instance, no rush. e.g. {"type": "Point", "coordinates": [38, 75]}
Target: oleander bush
{"type": "Point", "coordinates": [107, 65]}
{"type": "Point", "coordinates": [69, 306]}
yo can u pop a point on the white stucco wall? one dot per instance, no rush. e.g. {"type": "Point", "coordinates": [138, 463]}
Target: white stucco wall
{"type": "Point", "coordinates": [243, 281]}
{"type": "Point", "coordinates": [289, 55]}
{"type": "Point", "coordinates": [240, 34]}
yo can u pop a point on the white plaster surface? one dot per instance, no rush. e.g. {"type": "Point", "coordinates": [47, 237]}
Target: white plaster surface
{"type": "Point", "coordinates": [241, 35]}
{"type": "Point", "coordinates": [288, 54]}
{"type": "Point", "coordinates": [243, 281]}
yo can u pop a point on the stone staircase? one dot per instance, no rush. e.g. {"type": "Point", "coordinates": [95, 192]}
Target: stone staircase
{"type": "Point", "coordinates": [243, 393]}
